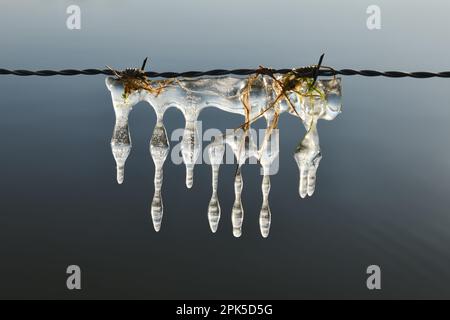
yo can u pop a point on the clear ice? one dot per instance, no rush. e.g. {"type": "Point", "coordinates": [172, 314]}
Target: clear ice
{"type": "Point", "coordinates": [190, 96]}
{"type": "Point", "coordinates": [159, 149]}
{"type": "Point", "coordinates": [121, 140]}
{"type": "Point", "coordinates": [215, 151]}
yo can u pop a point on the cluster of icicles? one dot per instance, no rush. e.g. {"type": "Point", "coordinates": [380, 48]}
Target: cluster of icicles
{"type": "Point", "coordinates": [190, 96]}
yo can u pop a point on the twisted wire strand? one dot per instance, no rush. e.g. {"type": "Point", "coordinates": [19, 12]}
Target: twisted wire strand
{"type": "Point", "coordinates": [240, 72]}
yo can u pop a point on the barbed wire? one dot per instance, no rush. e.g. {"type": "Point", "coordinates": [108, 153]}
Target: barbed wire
{"type": "Point", "coordinates": [239, 72]}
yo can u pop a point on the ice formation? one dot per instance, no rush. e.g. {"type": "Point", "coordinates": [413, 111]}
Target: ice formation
{"type": "Point", "coordinates": [234, 95]}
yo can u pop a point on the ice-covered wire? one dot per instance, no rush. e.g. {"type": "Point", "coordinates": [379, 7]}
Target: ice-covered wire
{"type": "Point", "coordinates": [240, 72]}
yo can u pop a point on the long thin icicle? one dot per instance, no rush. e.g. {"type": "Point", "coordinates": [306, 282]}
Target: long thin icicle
{"type": "Point", "coordinates": [159, 149]}
{"type": "Point", "coordinates": [237, 214]}
{"type": "Point", "coordinates": [190, 150]}
{"type": "Point", "coordinates": [243, 148]}
{"type": "Point", "coordinates": [216, 151]}
{"type": "Point", "coordinates": [121, 140]}
{"type": "Point", "coordinates": [269, 152]}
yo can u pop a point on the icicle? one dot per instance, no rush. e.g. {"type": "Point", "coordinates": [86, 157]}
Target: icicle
{"type": "Point", "coordinates": [159, 149]}
{"type": "Point", "coordinates": [265, 214]}
{"type": "Point", "coordinates": [308, 157]}
{"type": "Point", "coordinates": [268, 153]}
{"type": "Point", "coordinates": [216, 151]}
{"type": "Point", "coordinates": [237, 214]}
{"type": "Point", "coordinates": [243, 148]}
{"type": "Point", "coordinates": [121, 140]}
{"type": "Point", "coordinates": [307, 154]}
{"type": "Point", "coordinates": [190, 150]}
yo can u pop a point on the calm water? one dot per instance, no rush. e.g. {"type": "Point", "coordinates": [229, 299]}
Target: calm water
{"type": "Point", "coordinates": [382, 194]}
